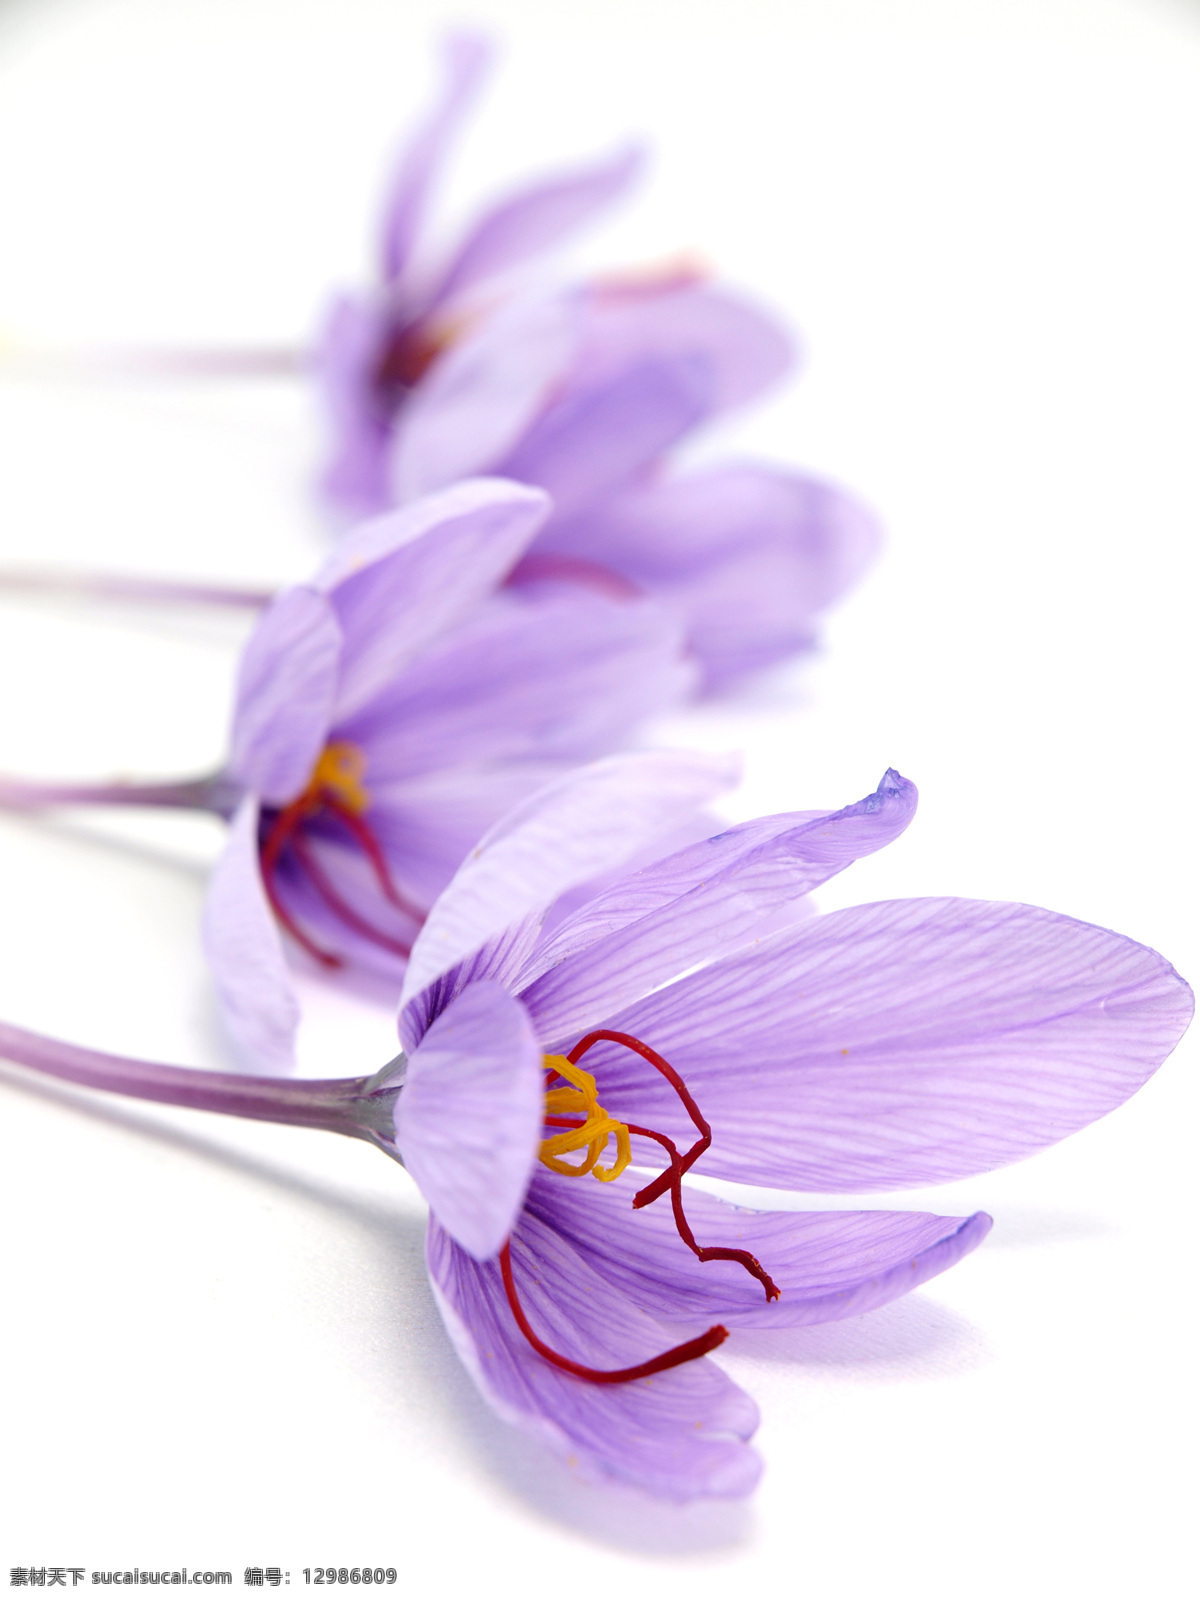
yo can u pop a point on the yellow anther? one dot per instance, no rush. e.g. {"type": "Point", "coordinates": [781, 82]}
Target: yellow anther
{"type": "Point", "coordinates": [591, 1135]}
{"type": "Point", "coordinates": [339, 771]}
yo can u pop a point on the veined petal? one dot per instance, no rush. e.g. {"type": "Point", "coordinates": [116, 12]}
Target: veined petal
{"type": "Point", "coordinates": [596, 439]}
{"type": "Point", "coordinates": [346, 356]}
{"type": "Point", "coordinates": [827, 1264]}
{"type": "Point", "coordinates": [399, 581]}
{"type": "Point", "coordinates": [680, 1434]}
{"type": "Point", "coordinates": [482, 394]}
{"type": "Point", "coordinates": [465, 60]}
{"type": "Point", "coordinates": [744, 348]}
{"type": "Point", "coordinates": [287, 683]}
{"type": "Point", "coordinates": [469, 1117]}
{"type": "Point", "coordinates": [748, 556]}
{"type": "Point", "coordinates": [698, 904]}
{"type": "Point", "coordinates": [558, 676]}
{"type": "Point", "coordinates": [244, 952]}
{"type": "Point", "coordinates": [537, 218]}
{"type": "Point", "coordinates": [577, 827]}
{"type": "Point", "coordinates": [909, 1042]}
{"type": "Point", "coordinates": [429, 824]}
{"type": "Point", "coordinates": [343, 910]}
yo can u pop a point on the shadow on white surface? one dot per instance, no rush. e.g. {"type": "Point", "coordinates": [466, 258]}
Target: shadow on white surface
{"type": "Point", "coordinates": [1018, 1227]}
{"type": "Point", "coordinates": [421, 1356]}
{"type": "Point", "coordinates": [114, 831]}
{"type": "Point", "coordinates": [912, 1338]}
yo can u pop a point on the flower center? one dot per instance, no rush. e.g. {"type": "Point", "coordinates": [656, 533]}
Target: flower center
{"type": "Point", "coordinates": [588, 1127]}
{"type": "Point", "coordinates": [334, 790]}
{"type": "Point", "coordinates": [539, 566]}
{"type": "Point", "coordinates": [338, 774]}
{"type": "Point", "coordinates": [412, 350]}
{"type": "Point", "coordinates": [591, 1135]}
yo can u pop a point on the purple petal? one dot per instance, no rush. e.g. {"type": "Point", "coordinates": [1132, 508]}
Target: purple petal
{"type": "Point", "coordinates": [287, 682]}
{"type": "Point", "coordinates": [553, 677]}
{"type": "Point", "coordinates": [679, 1435]}
{"type": "Point", "coordinates": [336, 925]}
{"type": "Point", "coordinates": [482, 394]}
{"type": "Point", "coordinates": [346, 359]}
{"type": "Point", "coordinates": [398, 582]}
{"type": "Point", "coordinates": [827, 1264]}
{"type": "Point", "coordinates": [909, 1042]}
{"type": "Point", "coordinates": [598, 438]}
{"type": "Point", "coordinates": [743, 348]}
{"type": "Point", "coordinates": [429, 824]}
{"type": "Point", "coordinates": [244, 952]}
{"type": "Point", "coordinates": [581, 825]}
{"type": "Point", "coordinates": [469, 1118]}
{"type": "Point", "coordinates": [465, 60]}
{"type": "Point", "coordinates": [749, 557]}
{"type": "Point", "coordinates": [536, 219]}
{"type": "Point", "coordinates": [698, 904]}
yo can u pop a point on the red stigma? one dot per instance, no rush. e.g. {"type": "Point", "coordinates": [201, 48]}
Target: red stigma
{"type": "Point", "coordinates": [668, 1181]}
{"type": "Point", "coordinates": [286, 833]}
{"type": "Point", "coordinates": [547, 565]}
{"type": "Point", "coordinates": [675, 1357]}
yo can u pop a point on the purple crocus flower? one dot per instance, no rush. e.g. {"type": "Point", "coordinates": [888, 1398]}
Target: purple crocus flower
{"type": "Point", "coordinates": [586, 392]}
{"type": "Point", "coordinates": [376, 347]}
{"type": "Point", "coordinates": [386, 714]}
{"type": "Point", "coordinates": [901, 1043]}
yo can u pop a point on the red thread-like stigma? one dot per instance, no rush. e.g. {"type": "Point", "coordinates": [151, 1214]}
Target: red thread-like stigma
{"type": "Point", "coordinates": [691, 1351]}
{"type": "Point", "coordinates": [335, 789]}
{"type": "Point", "coordinates": [668, 1181]}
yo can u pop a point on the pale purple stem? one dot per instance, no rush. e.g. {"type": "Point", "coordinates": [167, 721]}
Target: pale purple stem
{"type": "Point", "coordinates": [216, 793]}
{"type": "Point", "coordinates": [360, 1108]}
{"type": "Point", "coordinates": [129, 361]}
{"type": "Point", "coordinates": [117, 586]}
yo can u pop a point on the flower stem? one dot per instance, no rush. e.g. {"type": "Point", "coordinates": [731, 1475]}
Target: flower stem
{"type": "Point", "coordinates": [215, 793]}
{"type": "Point", "coordinates": [148, 361]}
{"type": "Point", "coordinates": [119, 586]}
{"type": "Point", "coordinates": [360, 1108]}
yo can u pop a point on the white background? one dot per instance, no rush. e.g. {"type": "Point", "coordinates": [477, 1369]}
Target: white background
{"type": "Point", "coordinates": [219, 1348]}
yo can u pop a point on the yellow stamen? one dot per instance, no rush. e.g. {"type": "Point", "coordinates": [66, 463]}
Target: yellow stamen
{"type": "Point", "coordinates": [592, 1135]}
{"type": "Point", "coordinates": [339, 771]}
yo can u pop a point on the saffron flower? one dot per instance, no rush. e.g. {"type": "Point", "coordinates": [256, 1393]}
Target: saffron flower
{"type": "Point", "coordinates": [584, 391]}
{"type": "Point", "coordinates": [377, 346]}
{"type": "Point", "coordinates": [386, 714]}
{"type": "Point", "coordinates": [901, 1043]}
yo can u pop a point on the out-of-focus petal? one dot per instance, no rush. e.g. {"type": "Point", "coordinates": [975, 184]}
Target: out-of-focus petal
{"type": "Point", "coordinates": [743, 347]}
{"type": "Point", "coordinates": [827, 1264]}
{"type": "Point", "coordinates": [478, 398]}
{"type": "Point", "coordinates": [287, 683]}
{"type": "Point", "coordinates": [596, 439]}
{"type": "Point", "coordinates": [558, 676]}
{"type": "Point", "coordinates": [244, 952]}
{"type": "Point", "coordinates": [698, 904]}
{"type": "Point", "coordinates": [350, 875]}
{"type": "Point", "coordinates": [346, 358]}
{"type": "Point", "coordinates": [429, 824]}
{"type": "Point", "coordinates": [749, 557]}
{"type": "Point", "coordinates": [577, 827]}
{"type": "Point", "coordinates": [536, 219]}
{"type": "Point", "coordinates": [398, 582]}
{"type": "Point", "coordinates": [908, 1042]}
{"type": "Point", "coordinates": [469, 1117]}
{"type": "Point", "coordinates": [465, 60]}
{"type": "Point", "coordinates": [680, 1435]}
